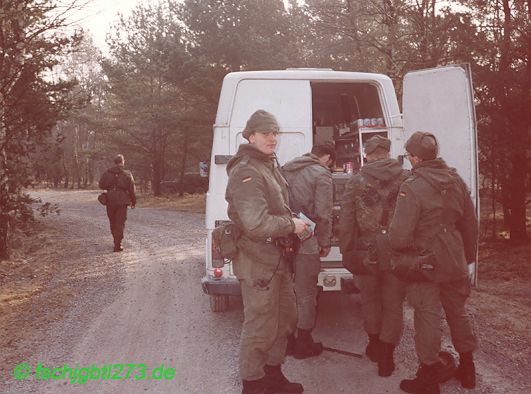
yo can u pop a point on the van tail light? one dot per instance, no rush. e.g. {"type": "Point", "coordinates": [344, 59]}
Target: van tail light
{"type": "Point", "coordinates": [217, 260]}
{"type": "Point", "coordinates": [218, 272]}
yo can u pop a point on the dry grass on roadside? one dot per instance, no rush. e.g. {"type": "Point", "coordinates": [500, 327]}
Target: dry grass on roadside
{"type": "Point", "coordinates": [188, 203]}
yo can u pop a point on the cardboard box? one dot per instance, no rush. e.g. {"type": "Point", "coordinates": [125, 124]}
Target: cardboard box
{"type": "Point", "coordinates": [323, 134]}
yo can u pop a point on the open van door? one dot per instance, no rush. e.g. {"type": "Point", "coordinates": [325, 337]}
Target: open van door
{"type": "Point", "coordinates": [440, 100]}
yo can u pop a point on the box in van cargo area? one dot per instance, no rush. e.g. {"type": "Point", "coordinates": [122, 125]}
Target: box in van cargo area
{"type": "Point", "coordinates": [317, 105]}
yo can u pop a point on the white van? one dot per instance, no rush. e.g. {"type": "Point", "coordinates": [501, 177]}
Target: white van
{"type": "Point", "coordinates": [315, 105]}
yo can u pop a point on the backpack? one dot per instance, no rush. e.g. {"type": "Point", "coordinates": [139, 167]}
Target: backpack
{"type": "Point", "coordinates": [376, 255]}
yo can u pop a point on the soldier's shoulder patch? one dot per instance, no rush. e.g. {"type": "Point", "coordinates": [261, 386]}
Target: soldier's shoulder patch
{"type": "Point", "coordinates": [247, 179]}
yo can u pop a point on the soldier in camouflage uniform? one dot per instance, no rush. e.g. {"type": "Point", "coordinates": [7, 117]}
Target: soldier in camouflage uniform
{"type": "Point", "coordinates": [257, 197]}
{"type": "Point", "coordinates": [366, 209]}
{"type": "Point", "coordinates": [434, 213]}
{"type": "Point", "coordinates": [120, 187]}
{"type": "Point", "coordinates": [311, 193]}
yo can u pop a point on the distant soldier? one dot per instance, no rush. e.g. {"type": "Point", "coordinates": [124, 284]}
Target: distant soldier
{"type": "Point", "coordinates": [435, 216]}
{"type": "Point", "coordinates": [366, 210]}
{"type": "Point", "coordinates": [257, 197]}
{"type": "Point", "coordinates": [120, 187]}
{"type": "Point", "coordinates": [310, 185]}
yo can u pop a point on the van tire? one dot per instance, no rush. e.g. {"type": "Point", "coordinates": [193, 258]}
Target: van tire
{"type": "Point", "coordinates": [219, 303]}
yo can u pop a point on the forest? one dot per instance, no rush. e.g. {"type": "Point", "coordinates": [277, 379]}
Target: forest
{"type": "Point", "coordinates": [66, 107]}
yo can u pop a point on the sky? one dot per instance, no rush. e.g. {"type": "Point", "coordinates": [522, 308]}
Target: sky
{"type": "Point", "coordinates": [97, 16]}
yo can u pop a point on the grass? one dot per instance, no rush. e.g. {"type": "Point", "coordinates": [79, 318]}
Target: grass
{"type": "Point", "coordinates": [187, 203]}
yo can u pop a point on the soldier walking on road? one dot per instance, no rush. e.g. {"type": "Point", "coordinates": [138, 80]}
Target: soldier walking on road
{"type": "Point", "coordinates": [366, 209]}
{"type": "Point", "coordinates": [257, 197]}
{"type": "Point", "coordinates": [435, 216]}
{"type": "Point", "coordinates": [310, 191]}
{"type": "Point", "coordinates": [120, 187]}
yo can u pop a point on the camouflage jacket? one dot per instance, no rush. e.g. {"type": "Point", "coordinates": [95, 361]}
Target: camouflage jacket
{"type": "Point", "coordinates": [310, 185]}
{"type": "Point", "coordinates": [120, 186]}
{"type": "Point", "coordinates": [257, 197]}
{"type": "Point", "coordinates": [367, 206]}
{"type": "Point", "coordinates": [434, 212]}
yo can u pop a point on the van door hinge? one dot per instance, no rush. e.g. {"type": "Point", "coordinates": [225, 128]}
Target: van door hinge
{"type": "Point", "coordinates": [222, 159]}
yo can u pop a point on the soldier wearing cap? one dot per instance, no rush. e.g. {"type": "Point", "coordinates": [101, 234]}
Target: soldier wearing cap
{"type": "Point", "coordinates": [120, 187]}
{"type": "Point", "coordinates": [366, 209]}
{"type": "Point", "coordinates": [435, 215]}
{"type": "Point", "coordinates": [257, 197]}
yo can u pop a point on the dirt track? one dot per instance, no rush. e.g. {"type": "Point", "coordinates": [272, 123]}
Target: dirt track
{"type": "Point", "coordinates": [145, 305]}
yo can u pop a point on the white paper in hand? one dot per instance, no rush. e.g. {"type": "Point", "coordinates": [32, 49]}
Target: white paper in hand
{"type": "Point", "coordinates": [309, 229]}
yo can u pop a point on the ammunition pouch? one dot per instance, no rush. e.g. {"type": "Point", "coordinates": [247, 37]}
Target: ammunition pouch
{"type": "Point", "coordinates": [360, 262]}
{"type": "Point", "coordinates": [370, 261]}
{"type": "Point", "coordinates": [414, 267]}
{"type": "Point", "coordinates": [384, 252]}
{"type": "Point", "coordinates": [102, 198]}
{"type": "Point", "coordinates": [225, 240]}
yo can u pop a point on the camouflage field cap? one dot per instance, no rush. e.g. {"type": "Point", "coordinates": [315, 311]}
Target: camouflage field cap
{"type": "Point", "coordinates": [376, 142]}
{"type": "Point", "coordinates": [423, 145]}
{"type": "Point", "coordinates": [260, 122]}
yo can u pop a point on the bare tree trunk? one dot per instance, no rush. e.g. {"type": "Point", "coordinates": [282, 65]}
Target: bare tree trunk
{"type": "Point", "coordinates": [4, 186]}
{"type": "Point", "coordinates": [518, 126]}
{"type": "Point", "coordinates": [391, 21]}
{"type": "Point", "coordinates": [493, 185]}
{"type": "Point", "coordinates": [493, 205]}
{"type": "Point", "coordinates": [156, 176]}
{"type": "Point", "coordinates": [4, 236]}
{"type": "Point", "coordinates": [183, 165]}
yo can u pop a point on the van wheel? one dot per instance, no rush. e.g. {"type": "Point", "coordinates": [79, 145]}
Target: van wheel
{"type": "Point", "coordinates": [219, 303]}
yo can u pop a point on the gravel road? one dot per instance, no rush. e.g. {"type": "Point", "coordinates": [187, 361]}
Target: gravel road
{"type": "Point", "coordinates": [145, 306]}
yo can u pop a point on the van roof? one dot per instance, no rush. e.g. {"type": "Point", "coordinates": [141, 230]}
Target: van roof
{"type": "Point", "coordinates": [231, 81]}
{"type": "Point", "coordinates": [323, 74]}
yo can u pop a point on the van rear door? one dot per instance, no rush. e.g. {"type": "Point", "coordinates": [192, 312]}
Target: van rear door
{"type": "Point", "coordinates": [291, 103]}
{"type": "Point", "coordinates": [440, 100]}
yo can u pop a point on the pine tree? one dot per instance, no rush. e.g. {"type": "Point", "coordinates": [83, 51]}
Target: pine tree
{"type": "Point", "coordinates": [31, 100]}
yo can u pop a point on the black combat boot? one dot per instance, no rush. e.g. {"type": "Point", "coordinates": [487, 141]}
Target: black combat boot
{"type": "Point", "coordinates": [466, 371]}
{"type": "Point", "coordinates": [373, 347]}
{"type": "Point", "coordinates": [277, 382]}
{"type": "Point", "coordinates": [426, 382]}
{"type": "Point", "coordinates": [386, 362]}
{"type": "Point", "coordinates": [305, 346]}
{"type": "Point", "coordinates": [256, 386]}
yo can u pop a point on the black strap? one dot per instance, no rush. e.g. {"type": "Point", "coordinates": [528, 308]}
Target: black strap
{"type": "Point", "coordinates": [386, 194]}
{"type": "Point", "coordinates": [116, 175]}
{"type": "Point", "coordinates": [340, 351]}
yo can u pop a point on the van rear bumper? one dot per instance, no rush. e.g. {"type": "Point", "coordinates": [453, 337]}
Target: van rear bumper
{"type": "Point", "coordinates": [221, 286]}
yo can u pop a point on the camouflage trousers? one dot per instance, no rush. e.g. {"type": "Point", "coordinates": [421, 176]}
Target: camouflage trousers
{"type": "Point", "coordinates": [270, 315]}
{"type": "Point", "coordinates": [382, 299]}
{"type": "Point", "coordinates": [427, 298]}
{"type": "Point", "coordinates": [307, 267]}
{"type": "Point", "coordinates": [117, 215]}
